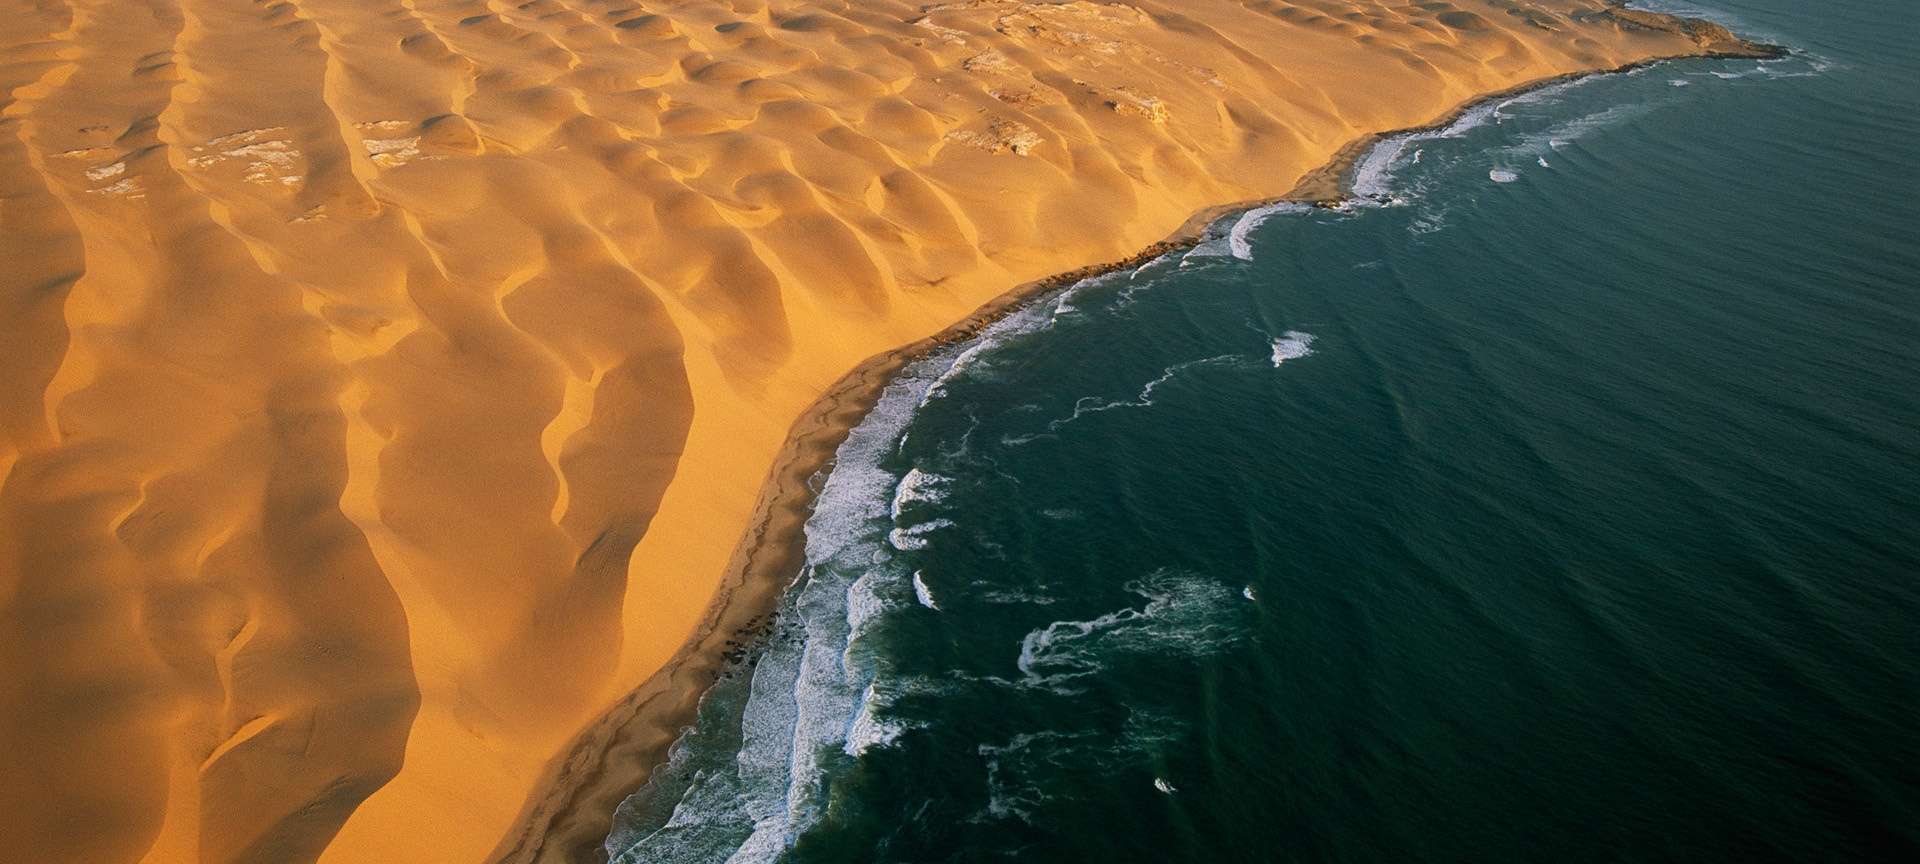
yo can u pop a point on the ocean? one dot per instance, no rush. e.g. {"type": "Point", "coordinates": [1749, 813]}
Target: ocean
{"type": "Point", "coordinates": [1558, 500]}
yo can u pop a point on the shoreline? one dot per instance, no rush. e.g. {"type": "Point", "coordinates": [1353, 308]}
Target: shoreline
{"type": "Point", "coordinates": [571, 813]}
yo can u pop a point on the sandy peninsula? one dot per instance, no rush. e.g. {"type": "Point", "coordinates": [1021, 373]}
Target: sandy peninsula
{"type": "Point", "coordinates": [398, 399]}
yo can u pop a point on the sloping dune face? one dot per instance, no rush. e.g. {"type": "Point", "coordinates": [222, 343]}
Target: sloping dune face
{"type": "Point", "coordinates": [384, 385]}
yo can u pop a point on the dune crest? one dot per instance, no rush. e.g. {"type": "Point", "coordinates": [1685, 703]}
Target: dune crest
{"type": "Point", "coordinates": [387, 384]}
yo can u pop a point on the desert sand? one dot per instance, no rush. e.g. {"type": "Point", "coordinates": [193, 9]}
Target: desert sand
{"type": "Point", "coordinates": [386, 388]}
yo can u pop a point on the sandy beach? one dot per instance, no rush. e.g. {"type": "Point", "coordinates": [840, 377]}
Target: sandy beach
{"type": "Point", "coordinates": [400, 411]}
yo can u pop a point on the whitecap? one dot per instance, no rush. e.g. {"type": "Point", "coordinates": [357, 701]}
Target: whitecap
{"type": "Point", "coordinates": [868, 730]}
{"type": "Point", "coordinates": [1165, 787]}
{"type": "Point", "coordinates": [1502, 175]}
{"type": "Point", "coordinates": [914, 537]}
{"type": "Point", "coordinates": [864, 605]}
{"type": "Point", "coordinates": [922, 593]}
{"type": "Point", "coordinates": [1292, 345]}
{"type": "Point", "coordinates": [918, 487]}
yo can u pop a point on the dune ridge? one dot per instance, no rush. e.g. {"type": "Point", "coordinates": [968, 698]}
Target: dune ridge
{"type": "Point", "coordinates": [388, 384]}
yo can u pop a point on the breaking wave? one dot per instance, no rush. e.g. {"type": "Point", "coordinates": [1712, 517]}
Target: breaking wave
{"type": "Point", "coordinates": [1373, 173]}
{"type": "Point", "coordinates": [815, 695]}
{"type": "Point", "coordinates": [1237, 243]}
{"type": "Point", "coordinates": [922, 593]}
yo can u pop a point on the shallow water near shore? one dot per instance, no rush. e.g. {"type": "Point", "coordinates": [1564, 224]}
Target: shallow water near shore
{"type": "Point", "coordinates": [1555, 501]}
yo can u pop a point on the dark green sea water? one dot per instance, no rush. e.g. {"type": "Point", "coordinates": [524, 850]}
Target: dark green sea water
{"type": "Point", "coordinates": [1561, 504]}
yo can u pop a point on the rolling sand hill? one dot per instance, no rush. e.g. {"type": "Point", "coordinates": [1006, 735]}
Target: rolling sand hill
{"type": "Point", "coordinates": [386, 384]}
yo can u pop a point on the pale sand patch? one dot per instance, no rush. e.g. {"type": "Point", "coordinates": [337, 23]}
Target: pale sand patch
{"type": "Point", "coordinates": [127, 188]}
{"type": "Point", "coordinates": [392, 152]}
{"type": "Point", "coordinates": [1000, 136]}
{"type": "Point", "coordinates": [111, 169]}
{"type": "Point", "coordinates": [261, 158]}
{"type": "Point", "coordinates": [340, 503]}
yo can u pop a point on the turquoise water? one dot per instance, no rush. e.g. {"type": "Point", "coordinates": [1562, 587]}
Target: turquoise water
{"type": "Point", "coordinates": [1561, 502]}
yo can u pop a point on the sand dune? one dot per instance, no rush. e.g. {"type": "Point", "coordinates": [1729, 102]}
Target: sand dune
{"type": "Point", "coordinates": [386, 385]}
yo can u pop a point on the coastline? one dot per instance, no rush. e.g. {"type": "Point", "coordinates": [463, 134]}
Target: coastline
{"type": "Point", "coordinates": [570, 814]}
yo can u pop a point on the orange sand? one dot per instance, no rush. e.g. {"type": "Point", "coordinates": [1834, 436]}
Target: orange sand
{"type": "Point", "coordinates": [384, 386]}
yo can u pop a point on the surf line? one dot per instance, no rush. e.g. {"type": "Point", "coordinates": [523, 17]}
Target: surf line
{"type": "Point", "coordinates": [572, 808]}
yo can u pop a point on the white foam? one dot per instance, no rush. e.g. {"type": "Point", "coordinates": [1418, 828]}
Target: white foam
{"type": "Point", "coordinates": [1799, 64]}
{"type": "Point", "coordinates": [918, 487]}
{"type": "Point", "coordinates": [1150, 264]}
{"type": "Point", "coordinates": [1537, 145]}
{"type": "Point", "coordinates": [1373, 173]}
{"type": "Point", "coordinates": [1237, 237]}
{"type": "Point", "coordinates": [811, 695]}
{"type": "Point", "coordinates": [1247, 592]}
{"type": "Point", "coordinates": [1023, 773]}
{"type": "Point", "coordinates": [922, 593]}
{"type": "Point", "coordinates": [1028, 319]}
{"type": "Point", "coordinates": [869, 731]}
{"type": "Point", "coordinates": [915, 536]}
{"type": "Point", "coordinates": [1008, 796]}
{"type": "Point", "coordinates": [864, 605]}
{"type": "Point", "coordinates": [1183, 614]}
{"type": "Point", "coordinates": [1543, 162]}
{"type": "Point", "coordinates": [815, 693]}
{"type": "Point", "coordinates": [1292, 345]}
{"type": "Point", "coordinates": [1067, 302]}
{"type": "Point", "coordinates": [1212, 247]}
